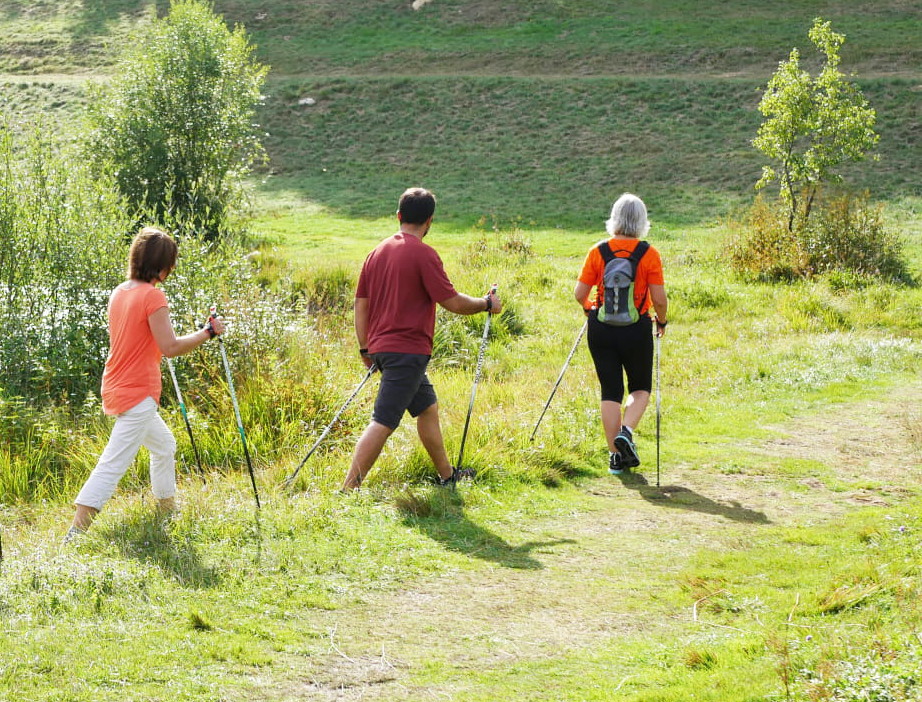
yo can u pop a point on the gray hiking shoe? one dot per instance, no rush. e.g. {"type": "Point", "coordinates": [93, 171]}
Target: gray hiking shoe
{"type": "Point", "coordinates": [456, 475]}
{"type": "Point", "coordinates": [614, 463]}
{"type": "Point", "coordinates": [624, 442]}
{"type": "Point", "coordinates": [72, 535]}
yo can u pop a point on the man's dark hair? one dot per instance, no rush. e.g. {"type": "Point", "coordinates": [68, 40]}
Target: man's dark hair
{"type": "Point", "coordinates": [416, 205]}
{"type": "Point", "coordinates": [152, 252]}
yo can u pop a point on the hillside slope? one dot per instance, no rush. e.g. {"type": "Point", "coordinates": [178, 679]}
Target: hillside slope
{"type": "Point", "coordinates": [519, 37]}
{"type": "Point", "coordinates": [530, 111]}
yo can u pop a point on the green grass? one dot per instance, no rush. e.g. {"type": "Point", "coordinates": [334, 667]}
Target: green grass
{"type": "Point", "coordinates": [250, 606]}
{"type": "Point", "coordinates": [537, 152]}
{"type": "Point", "coordinates": [756, 560]}
{"type": "Point", "coordinates": [541, 113]}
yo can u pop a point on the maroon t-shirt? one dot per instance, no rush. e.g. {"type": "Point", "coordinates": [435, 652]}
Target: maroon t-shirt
{"type": "Point", "coordinates": [403, 279]}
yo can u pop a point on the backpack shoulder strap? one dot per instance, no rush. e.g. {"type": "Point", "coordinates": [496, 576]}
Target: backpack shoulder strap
{"type": "Point", "coordinates": [605, 250]}
{"type": "Point", "coordinates": [638, 252]}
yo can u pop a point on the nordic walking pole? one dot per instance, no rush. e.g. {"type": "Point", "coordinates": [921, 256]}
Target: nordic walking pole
{"type": "Point", "coordinates": [290, 479]}
{"type": "Point", "coordinates": [559, 378]}
{"type": "Point", "coordinates": [483, 348]}
{"type": "Point", "coordinates": [185, 415]}
{"type": "Point", "coordinates": [233, 394]}
{"type": "Point", "coordinates": [658, 340]}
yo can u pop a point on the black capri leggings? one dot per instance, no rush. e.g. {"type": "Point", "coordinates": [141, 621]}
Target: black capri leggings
{"type": "Point", "coordinates": [619, 351]}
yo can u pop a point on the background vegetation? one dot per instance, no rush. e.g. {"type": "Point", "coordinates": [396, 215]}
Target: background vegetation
{"type": "Point", "coordinates": [175, 126]}
{"type": "Point", "coordinates": [751, 574]}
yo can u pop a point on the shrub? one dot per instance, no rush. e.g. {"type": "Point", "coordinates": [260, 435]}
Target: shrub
{"type": "Point", "coordinates": [763, 248]}
{"type": "Point", "coordinates": [64, 236]}
{"type": "Point", "coordinates": [848, 235]}
{"type": "Point", "coordinates": [176, 123]}
{"type": "Point", "coordinates": [846, 239]}
{"type": "Point", "coordinates": [259, 320]}
{"type": "Point", "coordinates": [62, 249]}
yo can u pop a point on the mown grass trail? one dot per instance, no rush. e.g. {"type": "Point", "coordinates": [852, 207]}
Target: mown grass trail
{"type": "Point", "coordinates": [606, 598]}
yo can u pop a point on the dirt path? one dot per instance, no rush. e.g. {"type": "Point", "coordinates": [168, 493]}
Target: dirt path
{"type": "Point", "coordinates": [570, 583]}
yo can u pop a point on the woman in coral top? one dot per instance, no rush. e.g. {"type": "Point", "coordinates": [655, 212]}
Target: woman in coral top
{"type": "Point", "coordinates": [624, 350]}
{"type": "Point", "coordinates": [140, 333]}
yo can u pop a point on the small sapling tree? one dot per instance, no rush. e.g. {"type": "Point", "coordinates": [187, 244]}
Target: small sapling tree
{"type": "Point", "coordinates": [175, 125]}
{"type": "Point", "coordinates": [812, 124]}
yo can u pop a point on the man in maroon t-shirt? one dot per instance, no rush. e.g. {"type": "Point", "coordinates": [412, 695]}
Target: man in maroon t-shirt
{"type": "Point", "coordinates": [401, 282]}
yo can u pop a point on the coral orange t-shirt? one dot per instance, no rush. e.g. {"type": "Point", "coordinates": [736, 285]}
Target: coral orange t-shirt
{"type": "Point", "coordinates": [649, 271]}
{"type": "Point", "coordinates": [132, 372]}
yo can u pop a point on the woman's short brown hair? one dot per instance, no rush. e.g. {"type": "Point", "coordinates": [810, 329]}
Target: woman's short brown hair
{"type": "Point", "coordinates": [152, 252]}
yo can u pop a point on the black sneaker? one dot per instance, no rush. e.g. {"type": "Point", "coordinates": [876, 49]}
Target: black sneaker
{"type": "Point", "coordinates": [456, 475]}
{"type": "Point", "coordinates": [625, 446]}
{"type": "Point", "coordinates": [614, 463]}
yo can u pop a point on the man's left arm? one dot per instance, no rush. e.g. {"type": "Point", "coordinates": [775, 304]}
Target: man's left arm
{"type": "Point", "coordinates": [443, 292]}
{"type": "Point", "coordinates": [465, 304]}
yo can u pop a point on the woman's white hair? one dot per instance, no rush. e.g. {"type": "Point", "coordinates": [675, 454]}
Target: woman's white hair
{"type": "Point", "coordinates": [628, 217]}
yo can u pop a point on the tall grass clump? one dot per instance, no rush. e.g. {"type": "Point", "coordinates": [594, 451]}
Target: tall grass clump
{"type": "Point", "coordinates": [176, 124]}
{"type": "Point", "coordinates": [763, 248]}
{"type": "Point", "coordinates": [850, 236]}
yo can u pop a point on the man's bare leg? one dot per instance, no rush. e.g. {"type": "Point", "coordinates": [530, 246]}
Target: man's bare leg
{"type": "Point", "coordinates": [430, 434]}
{"type": "Point", "coordinates": [366, 453]}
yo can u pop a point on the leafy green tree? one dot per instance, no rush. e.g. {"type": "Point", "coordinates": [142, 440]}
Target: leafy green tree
{"type": "Point", "coordinates": [176, 123]}
{"type": "Point", "coordinates": [812, 124]}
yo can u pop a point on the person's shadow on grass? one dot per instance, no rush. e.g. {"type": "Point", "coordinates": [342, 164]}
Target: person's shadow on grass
{"type": "Point", "coordinates": [150, 538]}
{"type": "Point", "coordinates": [441, 517]}
{"type": "Point", "coordinates": [678, 497]}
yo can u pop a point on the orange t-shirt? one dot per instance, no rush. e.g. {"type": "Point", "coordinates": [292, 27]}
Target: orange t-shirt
{"type": "Point", "coordinates": [649, 272]}
{"type": "Point", "coordinates": [132, 371]}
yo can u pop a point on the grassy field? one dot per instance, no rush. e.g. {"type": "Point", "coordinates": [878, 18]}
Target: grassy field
{"type": "Point", "coordinates": [775, 554]}
{"type": "Point", "coordinates": [777, 542]}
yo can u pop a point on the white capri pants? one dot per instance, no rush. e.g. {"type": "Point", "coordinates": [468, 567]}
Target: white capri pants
{"type": "Point", "coordinates": [139, 426]}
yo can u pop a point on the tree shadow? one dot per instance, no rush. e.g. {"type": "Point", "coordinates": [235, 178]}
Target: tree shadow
{"type": "Point", "coordinates": [96, 15]}
{"type": "Point", "coordinates": [91, 19]}
{"type": "Point", "coordinates": [450, 526]}
{"type": "Point", "coordinates": [678, 497]}
{"type": "Point", "coordinates": [150, 539]}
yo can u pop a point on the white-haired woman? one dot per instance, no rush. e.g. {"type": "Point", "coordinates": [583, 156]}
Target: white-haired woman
{"type": "Point", "coordinates": [624, 348]}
